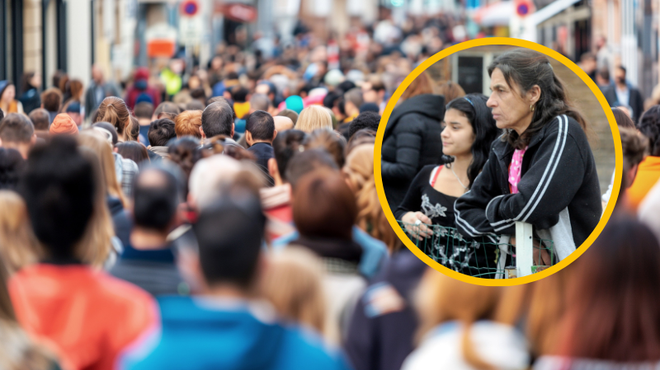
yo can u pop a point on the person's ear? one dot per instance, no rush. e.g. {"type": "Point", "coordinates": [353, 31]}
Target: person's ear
{"type": "Point", "coordinates": [248, 138]}
{"type": "Point", "coordinates": [201, 132]}
{"type": "Point", "coordinates": [33, 140]}
{"type": "Point", "coordinates": [233, 125]}
{"type": "Point", "coordinates": [534, 94]}
{"type": "Point", "coordinates": [115, 149]}
{"type": "Point", "coordinates": [632, 174]}
{"type": "Point", "coordinates": [274, 135]}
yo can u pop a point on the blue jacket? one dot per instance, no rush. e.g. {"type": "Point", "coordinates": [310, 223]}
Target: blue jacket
{"type": "Point", "coordinates": [201, 333]}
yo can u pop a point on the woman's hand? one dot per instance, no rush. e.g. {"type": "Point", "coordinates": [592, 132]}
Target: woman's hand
{"type": "Point", "coordinates": [416, 223]}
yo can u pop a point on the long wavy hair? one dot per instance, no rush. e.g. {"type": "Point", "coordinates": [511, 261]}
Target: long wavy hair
{"type": "Point", "coordinates": [473, 107]}
{"type": "Point", "coordinates": [19, 246]}
{"type": "Point", "coordinates": [95, 141]}
{"type": "Point", "coordinates": [359, 174]}
{"type": "Point", "coordinates": [522, 69]}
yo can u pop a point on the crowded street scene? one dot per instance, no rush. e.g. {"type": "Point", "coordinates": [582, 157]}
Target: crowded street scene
{"type": "Point", "coordinates": [216, 184]}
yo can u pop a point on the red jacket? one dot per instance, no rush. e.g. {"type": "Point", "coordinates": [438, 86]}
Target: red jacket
{"type": "Point", "coordinates": [87, 316]}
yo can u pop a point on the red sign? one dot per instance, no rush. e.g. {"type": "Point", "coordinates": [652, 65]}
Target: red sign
{"type": "Point", "coordinates": [240, 12]}
{"type": "Point", "coordinates": [523, 8]}
{"type": "Point", "coordinates": [161, 48]}
{"type": "Point", "coordinates": [189, 7]}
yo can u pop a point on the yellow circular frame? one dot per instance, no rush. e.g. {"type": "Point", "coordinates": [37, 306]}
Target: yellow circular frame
{"type": "Point", "coordinates": [510, 42]}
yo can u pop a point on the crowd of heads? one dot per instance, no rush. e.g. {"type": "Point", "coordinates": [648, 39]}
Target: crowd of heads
{"type": "Point", "coordinates": [170, 163]}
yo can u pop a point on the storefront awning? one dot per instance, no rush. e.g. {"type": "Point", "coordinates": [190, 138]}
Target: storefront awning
{"type": "Point", "coordinates": [551, 10]}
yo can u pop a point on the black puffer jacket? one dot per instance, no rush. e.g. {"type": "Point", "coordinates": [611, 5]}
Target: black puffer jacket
{"type": "Point", "coordinates": [412, 141]}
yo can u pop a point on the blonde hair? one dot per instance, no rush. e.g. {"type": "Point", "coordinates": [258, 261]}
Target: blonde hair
{"type": "Point", "coordinates": [440, 299]}
{"type": "Point", "coordinates": [359, 173]}
{"type": "Point", "coordinates": [95, 245]}
{"type": "Point", "coordinates": [19, 246]}
{"type": "Point", "coordinates": [293, 283]}
{"type": "Point", "coordinates": [187, 123]}
{"type": "Point", "coordinates": [312, 118]}
{"type": "Point", "coordinates": [99, 145]}
{"type": "Point", "coordinates": [114, 111]}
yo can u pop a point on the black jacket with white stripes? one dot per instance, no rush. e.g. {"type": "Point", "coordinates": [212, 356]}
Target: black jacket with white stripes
{"type": "Point", "coordinates": [558, 184]}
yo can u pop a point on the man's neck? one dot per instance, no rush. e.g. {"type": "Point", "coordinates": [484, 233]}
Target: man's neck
{"type": "Point", "coordinates": [262, 141]}
{"type": "Point", "coordinates": [146, 239]}
{"type": "Point", "coordinates": [226, 291]}
{"type": "Point", "coordinates": [621, 86]}
{"type": "Point", "coordinates": [144, 121]}
{"type": "Point", "coordinates": [23, 148]}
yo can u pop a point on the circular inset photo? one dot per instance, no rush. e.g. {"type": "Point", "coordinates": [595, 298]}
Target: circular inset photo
{"type": "Point", "coordinates": [495, 161]}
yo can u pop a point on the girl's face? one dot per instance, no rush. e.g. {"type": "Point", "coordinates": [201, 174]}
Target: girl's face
{"type": "Point", "coordinates": [510, 110]}
{"type": "Point", "coordinates": [457, 136]}
{"type": "Point", "coordinates": [36, 80]}
{"type": "Point", "coordinates": [9, 94]}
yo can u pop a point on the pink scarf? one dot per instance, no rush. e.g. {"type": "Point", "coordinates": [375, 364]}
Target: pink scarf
{"type": "Point", "coordinates": [515, 169]}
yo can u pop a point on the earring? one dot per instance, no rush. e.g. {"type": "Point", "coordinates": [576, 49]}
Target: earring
{"type": "Point", "coordinates": [531, 108]}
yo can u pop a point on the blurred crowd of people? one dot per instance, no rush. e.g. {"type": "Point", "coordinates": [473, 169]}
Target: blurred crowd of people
{"type": "Point", "coordinates": [226, 216]}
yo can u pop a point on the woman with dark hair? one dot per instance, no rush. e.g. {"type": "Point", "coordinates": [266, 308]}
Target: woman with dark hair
{"type": "Point", "coordinates": [412, 138]}
{"type": "Point", "coordinates": [469, 130]}
{"type": "Point", "coordinates": [611, 317]}
{"type": "Point", "coordinates": [133, 151]}
{"type": "Point", "coordinates": [542, 171]}
{"type": "Point", "coordinates": [648, 172]}
{"type": "Point", "coordinates": [8, 102]}
{"type": "Point", "coordinates": [31, 99]}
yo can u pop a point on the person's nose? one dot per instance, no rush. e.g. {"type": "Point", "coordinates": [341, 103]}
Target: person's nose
{"type": "Point", "coordinates": [444, 133]}
{"type": "Point", "coordinates": [491, 103]}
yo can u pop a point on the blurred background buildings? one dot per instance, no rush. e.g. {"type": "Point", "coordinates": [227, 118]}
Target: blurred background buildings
{"type": "Point", "coordinates": [71, 35]}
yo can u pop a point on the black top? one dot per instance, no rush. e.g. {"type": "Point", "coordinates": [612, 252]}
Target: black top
{"type": "Point", "coordinates": [447, 246]}
{"type": "Point", "coordinates": [382, 328]}
{"type": "Point", "coordinates": [422, 197]}
{"type": "Point", "coordinates": [152, 270]}
{"type": "Point", "coordinates": [263, 152]}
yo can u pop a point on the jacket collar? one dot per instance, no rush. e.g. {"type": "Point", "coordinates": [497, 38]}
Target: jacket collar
{"type": "Point", "coordinates": [503, 150]}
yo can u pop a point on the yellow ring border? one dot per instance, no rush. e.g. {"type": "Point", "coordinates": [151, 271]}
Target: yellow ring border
{"type": "Point", "coordinates": [510, 42]}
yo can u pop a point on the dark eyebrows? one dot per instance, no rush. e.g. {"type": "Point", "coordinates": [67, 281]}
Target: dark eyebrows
{"type": "Point", "coordinates": [498, 86]}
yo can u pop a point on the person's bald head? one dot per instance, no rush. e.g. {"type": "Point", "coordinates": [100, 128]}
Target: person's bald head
{"type": "Point", "coordinates": [259, 102]}
{"type": "Point", "coordinates": [283, 123]}
{"type": "Point", "coordinates": [97, 74]}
